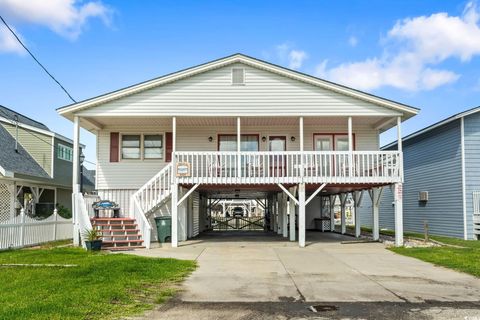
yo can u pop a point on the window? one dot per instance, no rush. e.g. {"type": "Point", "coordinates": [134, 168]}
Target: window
{"type": "Point", "coordinates": [332, 142]}
{"type": "Point", "coordinates": [238, 76]}
{"type": "Point", "coordinates": [248, 142]}
{"type": "Point", "coordinates": [153, 146]}
{"type": "Point", "coordinates": [64, 152]}
{"type": "Point", "coordinates": [131, 146]}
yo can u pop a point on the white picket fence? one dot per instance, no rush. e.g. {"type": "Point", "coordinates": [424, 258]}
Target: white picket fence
{"type": "Point", "coordinates": [23, 231]}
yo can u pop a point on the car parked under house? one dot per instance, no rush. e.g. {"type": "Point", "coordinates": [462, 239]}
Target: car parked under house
{"type": "Point", "coordinates": [238, 128]}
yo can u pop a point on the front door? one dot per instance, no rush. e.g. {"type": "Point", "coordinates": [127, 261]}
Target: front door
{"type": "Point", "coordinates": [277, 161]}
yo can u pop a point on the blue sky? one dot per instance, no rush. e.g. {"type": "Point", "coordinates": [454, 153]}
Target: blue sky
{"type": "Point", "coordinates": [421, 53]}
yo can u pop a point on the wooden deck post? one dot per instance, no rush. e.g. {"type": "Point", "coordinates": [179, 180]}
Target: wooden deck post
{"type": "Point", "coordinates": [301, 215]}
{"type": "Point", "coordinates": [291, 215]}
{"type": "Point", "coordinates": [343, 203]}
{"type": "Point", "coordinates": [375, 194]}
{"type": "Point", "coordinates": [332, 212]}
{"type": "Point", "coordinates": [358, 195]}
{"type": "Point", "coordinates": [174, 200]}
{"type": "Point", "coordinates": [279, 213]}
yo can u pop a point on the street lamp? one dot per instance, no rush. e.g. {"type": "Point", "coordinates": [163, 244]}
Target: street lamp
{"type": "Point", "coordinates": [81, 158]}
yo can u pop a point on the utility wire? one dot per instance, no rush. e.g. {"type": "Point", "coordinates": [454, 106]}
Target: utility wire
{"type": "Point", "coordinates": [14, 122]}
{"type": "Point", "coordinates": [36, 60]}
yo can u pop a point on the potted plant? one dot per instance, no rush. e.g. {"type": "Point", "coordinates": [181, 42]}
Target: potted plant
{"type": "Point", "coordinates": [92, 239]}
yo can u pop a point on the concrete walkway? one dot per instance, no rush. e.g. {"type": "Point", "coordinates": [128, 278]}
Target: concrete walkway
{"type": "Point", "coordinates": [265, 268]}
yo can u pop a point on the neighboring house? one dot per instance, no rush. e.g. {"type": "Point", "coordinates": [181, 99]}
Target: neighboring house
{"type": "Point", "coordinates": [35, 167]}
{"type": "Point", "coordinates": [237, 127]}
{"type": "Point", "coordinates": [442, 179]}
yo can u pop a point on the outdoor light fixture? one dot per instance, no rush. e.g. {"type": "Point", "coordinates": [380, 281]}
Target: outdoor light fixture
{"type": "Point", "coordinates": [210, 139]}
{"type": "Point", "coordinates": [82, 157]}
{"type": "Point", "coordinates": [264, 139]}
{"type": "Point", "coordinates": [292, 138]}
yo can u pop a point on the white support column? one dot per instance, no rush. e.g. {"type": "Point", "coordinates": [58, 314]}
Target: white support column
{"type": "Point", "coordinates": [358, 196]}
{"type": "Point", "coordinates": [285, 216]}
{"type": "Point", "coordinates": [399, 134]}
{"type": "Point", "coordinates": [291, 215]}
{"type": "Point", "coordinates": [343, 202]}
{"type": "Point", "coordinates": [182, 216]}
{"type": "Point", "coordinates": [398, 190]}
{"type": "Point", "coordinates": [239, 148]}
{"type": "Point", "coordinates": [350, 147]}
{"type": "Point", "coordinates": [75, 179]}
{"type": "Point", "coordinates": [76, 155]}
{"type": "Point", "coordinates": [174, 201]}
{"type": "Point", "coordinates": [375, 195]}
{"type": "Point", "coordinates": [301, 133]}
{"type": "Point", "coordinates": [279, 213]}
{"type": "Point", "coordinates": [301, 215]}
{"type": "Point", "coordinates": [332, 212]}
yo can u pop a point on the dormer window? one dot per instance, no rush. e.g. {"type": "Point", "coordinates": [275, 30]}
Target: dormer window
{"type": "Point", "coordinates": [238, 76]}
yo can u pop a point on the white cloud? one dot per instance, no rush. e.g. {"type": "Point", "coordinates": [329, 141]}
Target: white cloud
{"type": "Point", "coordinates": [65, 17]}
{"type": "Point", "coordinates": [294, 57]}
{"type": "Point", "coordinates": [411, 50]}
{"type": "Point", "coordinates": [8, 43]}
{"type": "Point", "coordinates": [353, 41]}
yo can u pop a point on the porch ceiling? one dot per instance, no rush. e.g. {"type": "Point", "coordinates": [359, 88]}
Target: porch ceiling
{"type": "Point", "coordinates": [91, 123]}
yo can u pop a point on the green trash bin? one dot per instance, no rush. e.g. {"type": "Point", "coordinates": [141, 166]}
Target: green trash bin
{"type": "Point", "coordinates": [164, 228]}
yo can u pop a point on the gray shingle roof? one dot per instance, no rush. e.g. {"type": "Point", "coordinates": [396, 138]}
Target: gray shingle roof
{"type": "Point", "coordinates": [10, 114]}
{"type": "Point", "coordinates": [18, 162]}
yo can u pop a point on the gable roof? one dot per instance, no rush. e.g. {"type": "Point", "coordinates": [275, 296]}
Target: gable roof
{"type": "Point", "coordinates": [68, 110]}
{"type": "Point", "coordinates": [20, 162]}
{"type": "Point", "coordinates": [10, 114]}
{"type": "Point", "coordinates": [434, 126]}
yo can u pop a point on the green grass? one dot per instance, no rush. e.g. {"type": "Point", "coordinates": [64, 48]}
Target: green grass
{"type": "Point", "coordinates": [103, 286]}
{"type": "Point", "coordinates": [464, 257]}
{"type": "Point", "coordinates": [461, 259]}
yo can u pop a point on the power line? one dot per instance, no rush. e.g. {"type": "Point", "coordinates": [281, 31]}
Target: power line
{"type": "Point", "coordinates": [36, 60]}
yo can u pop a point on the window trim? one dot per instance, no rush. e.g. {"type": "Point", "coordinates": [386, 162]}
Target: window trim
{"type": "Point", "coordinates": [334, 135]}
{"type": "Point", "coordinates": [142, 157]}
{"type": "Point", "coordinates": [67, 147]}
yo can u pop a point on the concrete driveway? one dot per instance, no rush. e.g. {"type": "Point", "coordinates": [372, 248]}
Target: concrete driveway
{"type": "Point", "coordinates": [257, 268]}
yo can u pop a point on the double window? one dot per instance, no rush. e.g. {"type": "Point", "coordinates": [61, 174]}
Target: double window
{"type": "Point", "coordinates": [228, 142]}
{"type": "Point", "coordinates": [142, 146]}
{"type": "Point", "coordinates": [331, 142]}
{"type": "Point", "coordinates": [64, 152]}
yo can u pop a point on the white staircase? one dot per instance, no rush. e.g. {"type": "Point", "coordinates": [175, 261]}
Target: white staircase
{"type": "Point", "coordinates": [150, 197]}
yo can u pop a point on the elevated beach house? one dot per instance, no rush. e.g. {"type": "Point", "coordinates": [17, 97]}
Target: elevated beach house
{"type": "Point", "coordinates": [238, 128]}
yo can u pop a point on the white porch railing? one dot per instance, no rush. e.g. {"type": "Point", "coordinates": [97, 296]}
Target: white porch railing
{"type": "Point", "coordinates": [22, 230]}
{"type": "Point", "coordinates": [148, 197]}
{"type": "Point", "coordinates": [291, 167]}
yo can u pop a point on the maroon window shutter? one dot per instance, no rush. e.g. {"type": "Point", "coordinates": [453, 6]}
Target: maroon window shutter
{"type": "Point", "coordinates": [168, 146]}
{"type": "Point", "coordinates": [114, 146]}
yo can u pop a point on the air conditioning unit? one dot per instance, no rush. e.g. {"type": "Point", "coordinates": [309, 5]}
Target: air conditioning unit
{"type": "Point", "coordinates": [423, 196]}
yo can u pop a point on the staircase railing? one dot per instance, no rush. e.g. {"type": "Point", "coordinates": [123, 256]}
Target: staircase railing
{"type": "Point", "coordinates": [149, 197]}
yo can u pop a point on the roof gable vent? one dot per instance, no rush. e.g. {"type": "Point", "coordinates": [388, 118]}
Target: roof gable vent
{"type": "Point", "coordinates": [238, 76]}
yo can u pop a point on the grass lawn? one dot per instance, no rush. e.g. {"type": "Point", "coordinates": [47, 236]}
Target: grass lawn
{"type": "Point", "coordinates": [102, 286]}
{"type": "Point", "coordinates": [465, 259]}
